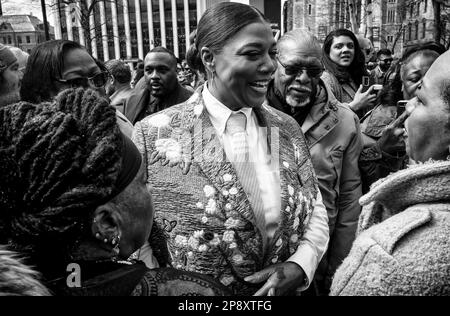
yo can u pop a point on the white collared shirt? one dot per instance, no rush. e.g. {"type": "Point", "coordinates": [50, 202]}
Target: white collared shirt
{"type": "Point", "coordinates": [315, 240]}
{"type": "Point", "coordinates": [268, 176]}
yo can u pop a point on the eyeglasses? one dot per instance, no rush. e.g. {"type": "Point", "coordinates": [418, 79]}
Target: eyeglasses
{"type": "Point", "coordinates": [99, 80]}
{"type": "Point", "coordinates": [312, 71]}
{"type": "Point", "coordinates": [387, 60]}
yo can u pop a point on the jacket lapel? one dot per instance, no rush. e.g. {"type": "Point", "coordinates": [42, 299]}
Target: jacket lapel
{"type": "Point", "coordinates": [139, 106]}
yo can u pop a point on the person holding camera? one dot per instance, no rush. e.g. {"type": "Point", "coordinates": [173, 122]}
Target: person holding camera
{"type": "Point", "coordinates": [344, 71]}
{"type": "Point", "coordinates": [382, 128]}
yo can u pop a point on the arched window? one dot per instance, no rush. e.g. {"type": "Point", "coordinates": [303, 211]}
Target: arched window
{"type": "Point", "coordinates": [409, 32]}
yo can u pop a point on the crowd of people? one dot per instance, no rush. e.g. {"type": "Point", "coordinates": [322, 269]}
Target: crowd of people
{"type": "Point", "coordinates": [250, 167]}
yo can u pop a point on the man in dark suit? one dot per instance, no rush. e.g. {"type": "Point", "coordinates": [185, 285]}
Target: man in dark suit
{"type": "Point", "coordinates": [162, 87]}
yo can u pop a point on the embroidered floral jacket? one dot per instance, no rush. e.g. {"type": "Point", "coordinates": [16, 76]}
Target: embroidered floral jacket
{"type": "Point", "coordinates": [204, 213]}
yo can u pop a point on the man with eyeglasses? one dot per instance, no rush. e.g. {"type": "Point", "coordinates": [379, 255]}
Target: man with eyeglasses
{"type": "Point", "coordinates": [10, 77]}
{"type": "Point", "coordinates": [333, 136]}
{"type": "Point", "coordinates": [384, 59]}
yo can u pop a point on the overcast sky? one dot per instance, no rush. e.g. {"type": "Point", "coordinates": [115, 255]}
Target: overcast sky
{"type": "Point", "coordinates": [26, 7]}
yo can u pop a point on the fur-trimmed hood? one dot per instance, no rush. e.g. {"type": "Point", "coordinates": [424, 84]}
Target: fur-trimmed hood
{"type": "Point", "coordinates": [17, 279]}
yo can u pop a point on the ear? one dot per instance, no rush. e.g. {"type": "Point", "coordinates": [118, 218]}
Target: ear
{"type": "Point", "coordinates": [208, 59]}
{"type": "Point", "coordinates": [107, 222]}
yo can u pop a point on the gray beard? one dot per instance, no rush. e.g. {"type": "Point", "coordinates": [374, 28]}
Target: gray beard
{"type": "Point", "coordinates": [297, 104]}
{"type": "Point", "coordinates": [9, 98]}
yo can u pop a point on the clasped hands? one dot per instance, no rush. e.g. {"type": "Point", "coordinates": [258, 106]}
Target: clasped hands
{"type": "Point", "coordinates": [280, 279]}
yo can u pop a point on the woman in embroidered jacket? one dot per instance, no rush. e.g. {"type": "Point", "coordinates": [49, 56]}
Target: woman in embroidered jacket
{"type": "Point", "coordinates": [403, 243]}
{"type": "Point", "coordinates": [235, 192]}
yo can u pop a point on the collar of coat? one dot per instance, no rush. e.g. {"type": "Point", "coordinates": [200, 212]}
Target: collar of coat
{"type": "Point", "coordinates": [424, 183]}
{"type": "Point", "coordinates": [322, 118]}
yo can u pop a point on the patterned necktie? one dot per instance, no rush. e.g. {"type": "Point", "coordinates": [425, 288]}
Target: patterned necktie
{"type": "Point", "coordinates": [245, 169]}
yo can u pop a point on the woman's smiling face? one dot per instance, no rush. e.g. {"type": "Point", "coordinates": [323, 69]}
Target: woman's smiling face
{"type": "Point", "coordinates": [244, 66]}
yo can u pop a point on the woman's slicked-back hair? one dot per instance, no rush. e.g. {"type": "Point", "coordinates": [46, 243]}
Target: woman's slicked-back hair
{"type": "Point", "coordinates": [357, 68]}
{"type": "Point", "coordinates": [217, 25]}
{"type": "Point", "coordinates": [45, 65]}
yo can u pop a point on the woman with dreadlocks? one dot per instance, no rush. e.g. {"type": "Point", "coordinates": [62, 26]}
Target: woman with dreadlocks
{"type": "Point", "coordinates": [73, 191]}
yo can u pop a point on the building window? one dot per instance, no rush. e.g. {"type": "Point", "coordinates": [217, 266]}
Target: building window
{"type": "Point", "coordinates": [309, 9]}
{"type": "Point", "coordinates": [416, 33]}
{"type": "Point", "coordinates": [391, 16]}
{"type": "Point", "coordinates": [28, 40]}
{"type": "Point", "coordinates": [390, 38]}
{"type": "Point", "coordinates": [9, 40]}
{"type": "Point", "coordinates": [425, 6]}
{"type": "Point", "coordinates": [418, 8]}
{"type": "Point", "coordinates": [411, 10]}
{"type": "Point", "coordinates": [409, 32]}
{"type": "Point", "coordinates": [424, 28]}
{"type": "Point", "coordinates": [19, 39]}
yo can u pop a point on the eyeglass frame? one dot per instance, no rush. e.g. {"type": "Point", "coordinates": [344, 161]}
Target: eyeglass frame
{"type": "Point", "coordinates": [90, 80]}
{"type": "Point", "coordinates": [300, 68]}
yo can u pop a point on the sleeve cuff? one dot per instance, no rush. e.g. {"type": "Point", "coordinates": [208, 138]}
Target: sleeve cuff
{"type": "Point", "coordinates": [306, 258]}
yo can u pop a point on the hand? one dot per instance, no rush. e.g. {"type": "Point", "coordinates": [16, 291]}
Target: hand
{"type": "Point", "coordinates": [363, 100]}
{"type": "Point", "coordinates": [280, 278]}
{"type": "Point", "coordinates": [391, 140]}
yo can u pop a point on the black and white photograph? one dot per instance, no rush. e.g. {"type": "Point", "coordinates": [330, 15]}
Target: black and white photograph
{"type": "Point", "coordinates": [225, 153]}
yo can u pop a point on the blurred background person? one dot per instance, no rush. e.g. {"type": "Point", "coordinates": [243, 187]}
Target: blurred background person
{"type": "Point", "coordinates": [382, 128]}
{"type": "Point", "coordinates": [73, 190]}
{"type": "Point", "coordinates": [384, 62]}
{"type": "Point", "coordinates": [118, 87]}
{"type": "Point", "coordinates": [403, 240]}
{"type": "Point", "coordinates": [138, 74]}
{"type": "Point", "coordinates": [22, 57]}
{"type": "Point", "coordinates": [344, 68]}
{"type": "Point", "coordinates": [184, 77]}
{"type": "Point", "coordinates": [10, 77]}
{"type": "Point", "coordinates": [368, 50]}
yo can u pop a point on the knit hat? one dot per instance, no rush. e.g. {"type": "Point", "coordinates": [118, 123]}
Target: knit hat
{"type": "Point", "coordinates": [7, 58]}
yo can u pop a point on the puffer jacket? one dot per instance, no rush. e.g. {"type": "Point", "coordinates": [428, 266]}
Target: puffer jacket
{"type": "Point", "coordinates": [403, 241]}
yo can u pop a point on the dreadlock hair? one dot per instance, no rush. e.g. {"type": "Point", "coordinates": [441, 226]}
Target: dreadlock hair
{"type": "Point", "coordinates": [58, 162]}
